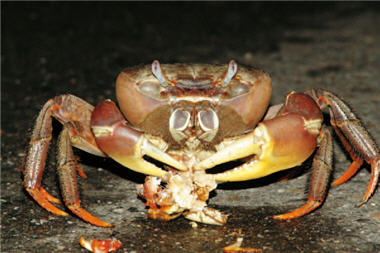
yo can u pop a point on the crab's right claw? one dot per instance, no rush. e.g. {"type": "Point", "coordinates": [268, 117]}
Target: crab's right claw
{"type": "Point", "coordinates": [125, 144]}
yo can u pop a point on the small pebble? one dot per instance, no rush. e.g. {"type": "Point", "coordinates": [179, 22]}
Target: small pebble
{"type": "Point", "coordinates": [118, 210]}
{"type": "Point", "coordinates": [193, 224]}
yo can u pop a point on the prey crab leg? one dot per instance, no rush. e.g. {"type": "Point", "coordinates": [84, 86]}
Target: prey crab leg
{"type": "Point", "coordinates": [76, 132]}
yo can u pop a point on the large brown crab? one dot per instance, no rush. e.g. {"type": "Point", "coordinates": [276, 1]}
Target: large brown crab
{"type": "Point", "coordinates": [190, 118]}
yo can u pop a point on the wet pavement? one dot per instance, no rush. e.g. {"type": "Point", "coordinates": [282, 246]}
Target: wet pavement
{"type": "Point", "coordinates": [55, 48]}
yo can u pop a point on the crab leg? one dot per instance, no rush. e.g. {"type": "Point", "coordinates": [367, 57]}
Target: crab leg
{"type": "Point", "coordinates": [355, 165]}
{"type": "Point", "coordinates": [321, 171]}
{"type": "Point", "coordinates": [74, 113]}
{"type": "Point", "coordinates": [277, 144]}
{"type": "Point", "coordinates": [125, 144]}
{"type": "Point", "coordinates": [35, 161]}
{"type": "Point", "coordinates": [354, 137]}
{"type": "Point", "coordinates": [68, 180]}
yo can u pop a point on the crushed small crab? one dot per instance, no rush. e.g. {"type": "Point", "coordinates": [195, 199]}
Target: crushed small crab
{"type": "Point", "coordinates": [183, 193]}
{"type": "Point", "coordinates": [100, 246]}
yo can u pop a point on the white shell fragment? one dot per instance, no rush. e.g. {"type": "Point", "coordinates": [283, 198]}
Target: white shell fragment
{"type": "Point", "coordinates": [208, 216]}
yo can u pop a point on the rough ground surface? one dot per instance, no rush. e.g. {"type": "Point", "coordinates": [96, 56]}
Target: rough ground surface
{"type": "Point", "coordinates": [79, 48]}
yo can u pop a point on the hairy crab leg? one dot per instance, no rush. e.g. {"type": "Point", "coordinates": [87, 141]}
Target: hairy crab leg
{"type": "Point", "coordinates": [35, 160]}
{"type": "Point", "coordinates": [355, 165]}
{"type": "Point", "coordinates": [68, 180]}
{"type": "Point", "coordinates": [354, 137]}
{"type": "Point", "coordinates": [321, 171]}
{"type": "Point", "coordinates": [74, 113]}
{"type": "Point", "coordinates": [125, 144]}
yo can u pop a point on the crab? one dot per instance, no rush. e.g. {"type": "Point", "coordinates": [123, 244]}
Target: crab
{"type": "Point", "coordinates": [176, 121]}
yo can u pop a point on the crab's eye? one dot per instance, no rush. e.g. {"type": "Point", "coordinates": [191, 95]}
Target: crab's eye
{"type": "Point", "coordinates": [151, 89]}
{"type": "Point", "coordinates": [157, 72]}
{"type": "Point", "coordinates": [231, 72]}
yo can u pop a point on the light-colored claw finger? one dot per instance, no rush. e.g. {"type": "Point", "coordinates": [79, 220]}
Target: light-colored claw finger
{"type": "Point", "coordinates": [232, 149]}
{"type": "Point", "coordinates": [149, 149]}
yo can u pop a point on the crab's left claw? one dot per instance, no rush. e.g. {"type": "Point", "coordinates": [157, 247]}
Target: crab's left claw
{"type": "Point", "coordinates": [125, 144]}
{"type": "Point", "coordinates": [276, 144]}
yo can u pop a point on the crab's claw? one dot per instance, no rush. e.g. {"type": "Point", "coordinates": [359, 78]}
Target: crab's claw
{"type": "Point", "coordinates": [276, 144]}
{"type": "Point", "coordinates": [125, 144]}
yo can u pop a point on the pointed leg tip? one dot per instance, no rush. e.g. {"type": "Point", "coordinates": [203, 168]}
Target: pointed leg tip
{"type": "Point", "coordinates": [364, 200]}
{"type": "Point", "coordinates": [88, 217]}
{"type": "Point", "coordinates": [62, 213]}
{"type": "Point", "coordinates": [277, 217]}
{"type": "Point", "coordinates": [104, 224]}
{"type": "Point", "coordinates": [44, 199]}
{"type": "Point", "coordinates": [336, 183]}
{"type": "Point", "coordinates": [309, 206]}
{"type": "Point", "coordinates": [283, 217]}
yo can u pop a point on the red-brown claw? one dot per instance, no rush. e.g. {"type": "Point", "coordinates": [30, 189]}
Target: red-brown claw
{"type": "Point", "coordinates": [125, 144]}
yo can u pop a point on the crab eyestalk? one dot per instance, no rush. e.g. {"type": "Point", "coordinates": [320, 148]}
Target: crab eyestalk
{"type": "Point", "coordinates": [231, 72]}
{"type": "Point", "coordinates": [157, 72]}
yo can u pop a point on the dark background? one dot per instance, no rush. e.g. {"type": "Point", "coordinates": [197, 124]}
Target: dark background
{"type": "Point", "coordinates": [52, 48]}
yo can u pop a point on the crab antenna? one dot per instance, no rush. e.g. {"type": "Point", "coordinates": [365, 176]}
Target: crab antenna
{"type": "Point", "coordinates": [231, 72]}
{"type": "Point", "coordinates": [156, 70]}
